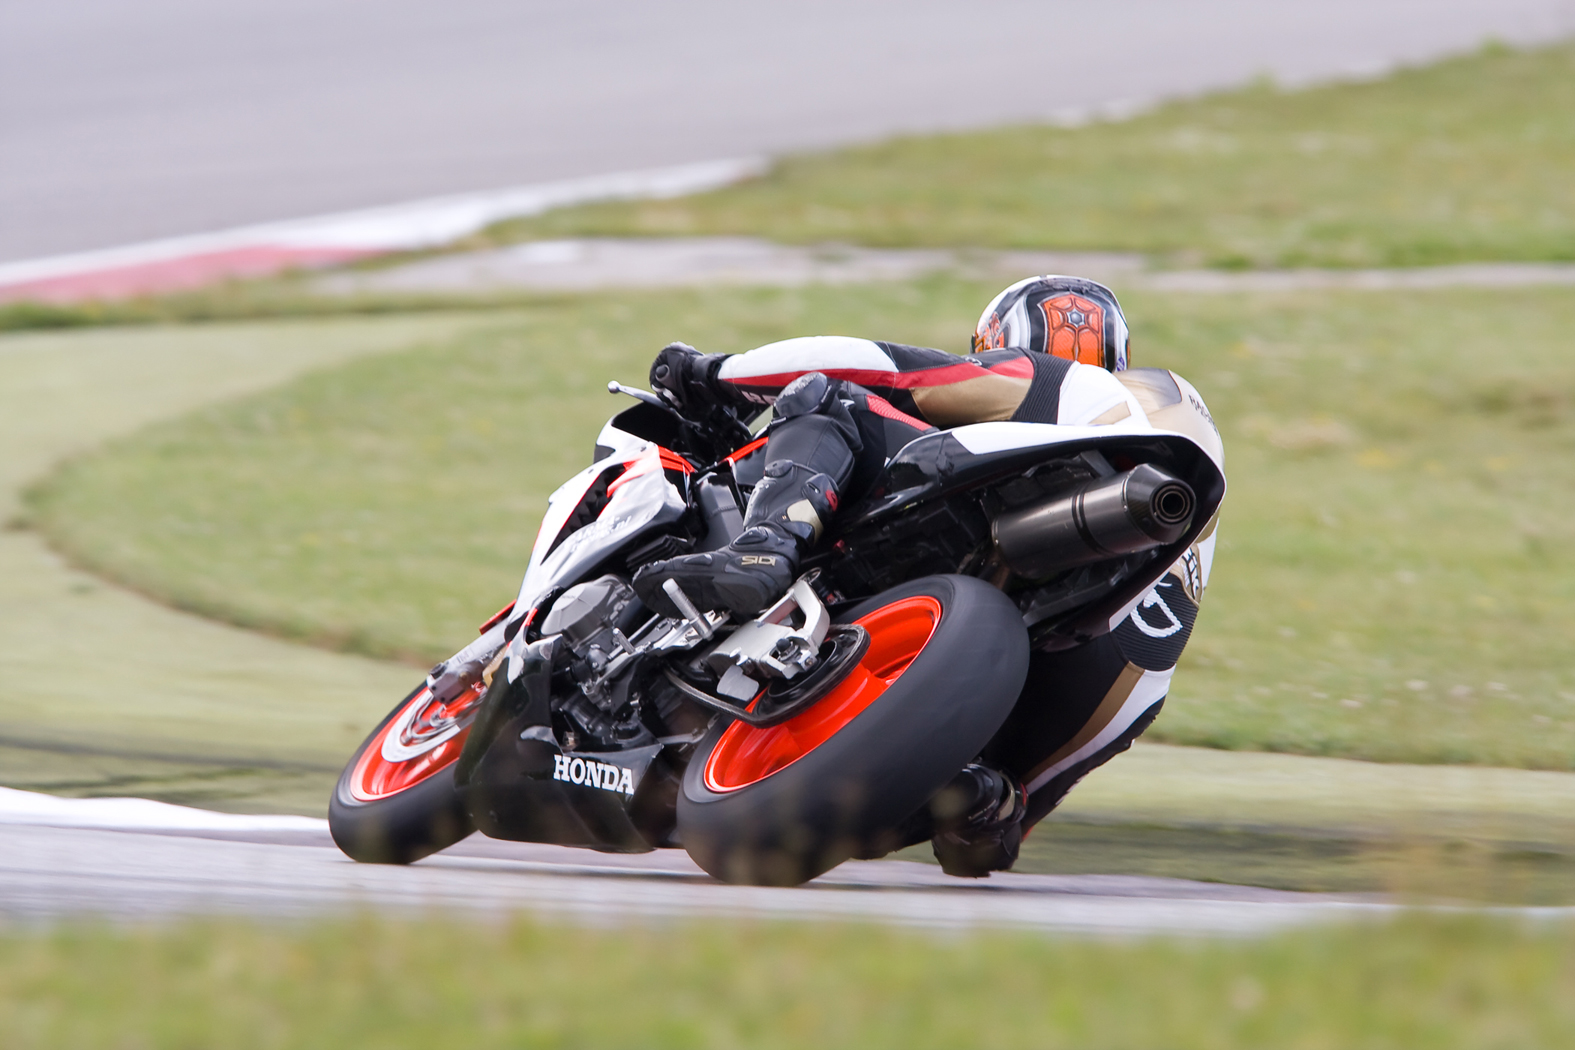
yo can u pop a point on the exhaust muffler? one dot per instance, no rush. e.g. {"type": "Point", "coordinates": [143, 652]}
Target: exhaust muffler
{"type": "Point", "coordinates": [1122, 514]}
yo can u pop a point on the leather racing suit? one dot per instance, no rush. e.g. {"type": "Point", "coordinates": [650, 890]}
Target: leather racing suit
{"type": "Point", "coordinates": [843, 406]}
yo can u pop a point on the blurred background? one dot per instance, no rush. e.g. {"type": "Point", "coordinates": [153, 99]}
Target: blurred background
{"type": "Point", "coordinates": [304, 309]}
{"type": "Point", "coordinates": [131, 121]}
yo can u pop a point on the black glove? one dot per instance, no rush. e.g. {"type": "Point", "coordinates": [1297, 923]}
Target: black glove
{"type": "Point", "coordinates": [686, 378]}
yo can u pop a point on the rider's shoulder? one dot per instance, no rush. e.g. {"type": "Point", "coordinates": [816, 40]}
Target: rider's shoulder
{"type": "Point", "coordinates": [1174, 404]}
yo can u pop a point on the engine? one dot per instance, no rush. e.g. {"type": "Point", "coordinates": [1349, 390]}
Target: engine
{"type": "Point", "coordinates": [594, 620]}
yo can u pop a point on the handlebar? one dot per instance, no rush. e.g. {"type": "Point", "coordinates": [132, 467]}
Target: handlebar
{"type": "Point", "coordinates": [615, 387]}
{"type": "Point", "coordinates": [707, 438]}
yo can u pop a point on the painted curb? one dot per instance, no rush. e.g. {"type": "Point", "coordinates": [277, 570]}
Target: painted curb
{"type": "Point", "coordinates": [189, 262]}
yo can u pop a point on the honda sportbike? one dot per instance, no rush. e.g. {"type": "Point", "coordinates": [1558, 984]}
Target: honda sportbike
{"type": "Point", "coordinates": [772, 749]}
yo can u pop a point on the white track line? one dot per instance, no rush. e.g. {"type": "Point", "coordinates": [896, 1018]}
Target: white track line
{"type": "Point", "coordinates": [140, 814]}
{"type": "Point", "coordinates": [404, 227]}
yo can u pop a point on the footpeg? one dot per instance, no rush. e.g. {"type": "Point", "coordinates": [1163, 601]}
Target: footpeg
{"type": "Point", "coordinates": [767, 647]}
{"type": "Point", "coordinates": [692, 617]}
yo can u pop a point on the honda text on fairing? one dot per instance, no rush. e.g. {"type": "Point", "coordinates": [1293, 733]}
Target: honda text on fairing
{"type": "Point", "coordinates": [773, 747]}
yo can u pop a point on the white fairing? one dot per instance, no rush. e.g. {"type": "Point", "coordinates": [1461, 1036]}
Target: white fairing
{"type": "Point", "coordinates": [640, 496]}
{"type": "Point", "coordinates": [1090, 392]}
{"type": "Point", "coordinates": [623, 444]}
{"type": "Point", "coordinates": [984, 438]}
{"type": "Point", "coordinates": [1194, 405]}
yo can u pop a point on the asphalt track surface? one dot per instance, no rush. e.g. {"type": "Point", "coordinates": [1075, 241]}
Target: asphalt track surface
{"type": "Point", "coordinates": [138, 860]}
{"type": "Point", "coordinates": [129, 120]}
{"type": "Point", "coordinates": [292, 870]}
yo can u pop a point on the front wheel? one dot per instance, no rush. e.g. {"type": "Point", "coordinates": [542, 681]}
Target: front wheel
{"type": "Point", "coordinates": [396, 801]}
{"type": "Point", "coordinates": [780, 805]}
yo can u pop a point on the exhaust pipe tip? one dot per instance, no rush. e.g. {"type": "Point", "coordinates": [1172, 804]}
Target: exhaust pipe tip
{"type": "Point", "coordinates": [1172, 504]}
{"type": "Point", "coordinates": [1158, 503]}
{"type": "Point", "coordinates": [1144, 508]}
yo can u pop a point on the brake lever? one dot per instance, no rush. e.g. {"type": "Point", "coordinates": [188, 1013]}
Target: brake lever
{"type": "Point", "coordinates": [615, 387]}
{"type": "Point", "coordinates": [702, 432]}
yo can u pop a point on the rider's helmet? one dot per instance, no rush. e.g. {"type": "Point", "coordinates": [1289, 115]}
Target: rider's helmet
{"type": "Point", "coordinates": [1066, 316]}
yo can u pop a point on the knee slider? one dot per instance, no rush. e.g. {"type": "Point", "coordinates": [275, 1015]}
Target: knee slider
{"type": "Point", "coordinates": [807, 395]}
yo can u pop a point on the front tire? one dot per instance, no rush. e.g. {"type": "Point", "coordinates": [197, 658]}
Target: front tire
{"type": "Point", "coordinates": [778, 806]}
{"type": "Point", "coordinates": [396, 801]}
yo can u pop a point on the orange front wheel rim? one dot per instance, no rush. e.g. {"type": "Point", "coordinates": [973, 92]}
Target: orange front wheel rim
{"type": "Point", "coordinates": [422, 739]}
{"type": "Point", "coordinates": [748, 754]}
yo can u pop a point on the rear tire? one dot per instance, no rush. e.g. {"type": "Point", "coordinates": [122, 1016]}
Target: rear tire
{"type": "Point", "coordinates": [385, 812]}
{"type": "Point", "coordinates": [778, 806]}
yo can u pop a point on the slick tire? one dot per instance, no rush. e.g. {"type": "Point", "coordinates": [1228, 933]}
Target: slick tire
{"type": "Point", "coordinates": [386, 812]}
{"type": "Point", "coordinates": [948, 656]}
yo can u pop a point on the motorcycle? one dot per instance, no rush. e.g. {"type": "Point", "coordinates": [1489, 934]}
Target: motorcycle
{"type": "Point", "coordinates": [774, 748]}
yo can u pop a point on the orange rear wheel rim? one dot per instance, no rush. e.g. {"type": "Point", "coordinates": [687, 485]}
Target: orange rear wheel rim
{"type": "Point", "coordinates": [746, 754]}
{"type": "Point", "coordinates": [427, 731]}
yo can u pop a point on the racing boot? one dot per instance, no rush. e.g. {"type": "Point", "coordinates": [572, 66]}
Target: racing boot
{"type": "Point", "coordinates": [980, 820]}
{"type": "Point", "coordinates": [785, 517]}
{"type": "Point", "coordinates": [743, 577]}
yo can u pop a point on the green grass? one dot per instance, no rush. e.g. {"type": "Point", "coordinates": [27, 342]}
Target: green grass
{"type": "Point", "coordinates": [1407, 867]}
{"type": "Point", "coordinates": [1297, 822]}
{"type": "Point", "coordinates": [391, 508]}
{"type": "Point", "coordinates": [1393, 581]}
{"type": "Point", "coordinates": [1467, 159]}
{"type": "Point", "coordinates": [198, 773]}
{"type": "Point", "coordinates": [1395, 574]}
{"type": "Point", "coordinates": [102, 692]}
{"type": "Point", "coordinates": [1419, 982]}
{"type": "Point", "coordinates": [287, 295]}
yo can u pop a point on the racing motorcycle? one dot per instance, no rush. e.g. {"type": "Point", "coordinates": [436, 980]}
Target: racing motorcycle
{"type": "Point", "coordinates": [774, 748]}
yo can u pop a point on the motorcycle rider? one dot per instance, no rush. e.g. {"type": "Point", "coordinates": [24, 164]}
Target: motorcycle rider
{"type": "Point", "coordinates": [1047, 349]}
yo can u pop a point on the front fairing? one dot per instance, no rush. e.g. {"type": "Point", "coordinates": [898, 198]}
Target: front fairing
{"type": "Point", "coordinates": [640, 499]}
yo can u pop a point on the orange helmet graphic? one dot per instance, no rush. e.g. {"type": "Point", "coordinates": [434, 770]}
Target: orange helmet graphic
{"type": "Point", "coordinates": [1069, 317]}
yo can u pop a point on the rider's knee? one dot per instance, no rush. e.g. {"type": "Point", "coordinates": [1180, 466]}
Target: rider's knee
{"type": "Point", "coordinates": [811, 394]}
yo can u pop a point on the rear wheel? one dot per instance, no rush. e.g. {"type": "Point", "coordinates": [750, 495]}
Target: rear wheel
{"type": "Point", "coordinates": [396, 801]}
{"type": "Point", "coordinates": [777, 806]}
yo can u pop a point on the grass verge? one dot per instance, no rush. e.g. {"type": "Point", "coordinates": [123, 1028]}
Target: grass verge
{"type": "Point", "coordinates": [1442, 983]}
{"type": "Point", "coordinates": [1392, 582]}
{"type": "Point", "coordinates": [288, 295]}
{"type": "Point", "coordinates": [1464, 160]}
{"type": "Point", "coordinates": [1413, 866]}
{"type": "Point", "coordinates": [1293, 822]}
{"type": "Point", "coordinates": [105, 693]}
